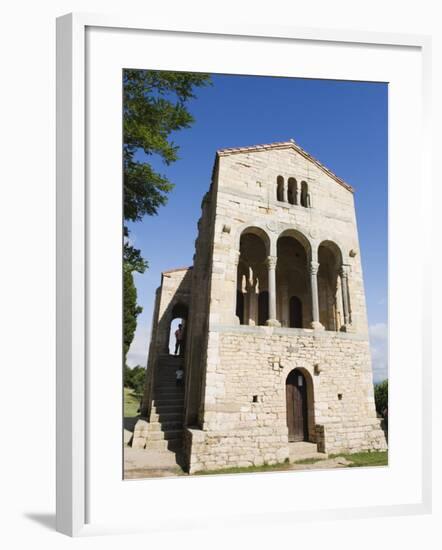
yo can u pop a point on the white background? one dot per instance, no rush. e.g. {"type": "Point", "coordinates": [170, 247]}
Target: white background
{"type": "Point", "coordinates": [28, 274]}
{"type": "Point", "coordinates": [109, 51]}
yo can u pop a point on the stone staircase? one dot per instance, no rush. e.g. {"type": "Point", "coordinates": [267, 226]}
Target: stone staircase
{"type": "Point", "coordinates": [164, 431]}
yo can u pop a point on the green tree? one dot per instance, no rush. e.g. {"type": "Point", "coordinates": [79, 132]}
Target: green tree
{"type": "Point", "coordinates": [131, 310]}
{"type": "Point", "coordinates": [134, 378]}
{"type": "Point", "coordinates": [381, 396]}
{"type": "Point", "coordinates": [154, 106]}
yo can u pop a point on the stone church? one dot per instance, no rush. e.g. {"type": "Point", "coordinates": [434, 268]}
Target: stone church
{"type": "Point", "coordinates": [276, 349]}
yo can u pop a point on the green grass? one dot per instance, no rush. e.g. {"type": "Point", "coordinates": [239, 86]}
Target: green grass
{"type": "Point", "coordinates": [131, 403]}
{"type": "Point", "coordinates": [373, 458]}
{"type": "Point", "coordinates": [281, 466]}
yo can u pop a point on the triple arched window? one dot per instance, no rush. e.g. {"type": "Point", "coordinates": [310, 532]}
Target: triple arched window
{"type": "Point", "coordinates": [293, 192]}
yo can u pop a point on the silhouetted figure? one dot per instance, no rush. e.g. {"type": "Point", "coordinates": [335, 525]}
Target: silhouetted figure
{"type": "Point", "coordinates": [179, 339]}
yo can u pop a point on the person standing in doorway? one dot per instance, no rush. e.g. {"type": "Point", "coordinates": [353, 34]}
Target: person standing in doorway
{"type": "Point", "coordinates": [178, 339]}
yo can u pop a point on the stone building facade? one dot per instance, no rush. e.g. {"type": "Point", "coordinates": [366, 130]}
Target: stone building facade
{"type": "Point", "coordinates": [277, 346]}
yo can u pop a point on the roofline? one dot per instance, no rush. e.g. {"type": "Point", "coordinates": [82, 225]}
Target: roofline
{"type": "Point", "coordinates": [283, 145]}
{"type": "Point", "coordinates": [177, 269]}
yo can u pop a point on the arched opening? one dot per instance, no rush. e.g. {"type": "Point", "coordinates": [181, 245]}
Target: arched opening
{"type": "Point", "coordinates": [291, 191]}
{"type": "Point", "coordinates": [304, 195]}
{"type": "Point", "coordinates": [280, 188]}
{"type": "Point", "coordinates": [295, 311]}
{"type": "Point", "coordinates": [252, 278]}
{"type": "Point", "coordinates": [292, 280]}
{"type": "Point", "coordinates": [297, 406]}
{"type": "Point", "coordinates": [263, 307]}
{"type": "Point", "coordinates": [177, 329]}
{"type": "Point", "coordinates": [240, 306]}
{"type": "Point", "coordinates": [330, 310]}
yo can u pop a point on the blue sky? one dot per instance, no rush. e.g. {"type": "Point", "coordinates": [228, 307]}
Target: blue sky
{"type": "Point", "coordinates": [341, 123]}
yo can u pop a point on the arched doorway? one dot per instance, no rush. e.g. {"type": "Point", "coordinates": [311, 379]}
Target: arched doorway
{"type": "Point", "coordinates": [295, 307]}
{"type": "Point", "coordinates": [293, 289]}
{"type": "Point", "coordinates": [297, 406]}
{"type": "Point", "coordinates": [329, 291]}
{"type": "Point", "coordinates": [252, 277]}
{"type": "Point", "coordinates": [179, 317]}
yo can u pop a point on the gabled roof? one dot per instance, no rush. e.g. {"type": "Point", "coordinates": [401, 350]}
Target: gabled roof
{"type": "Point", "coordinates": [291, 144]}
{"type": "Point", "coordinates": [176, 269]}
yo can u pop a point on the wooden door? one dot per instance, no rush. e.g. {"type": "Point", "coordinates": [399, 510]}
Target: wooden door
{"type": "Point", "coordinates": [296, 399]}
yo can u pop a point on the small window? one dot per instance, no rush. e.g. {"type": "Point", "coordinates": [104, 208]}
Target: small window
{"type": "Point", "coordinates": [305, 200]}
{"type": "Point", "coordinates": [291, 191]}
{"type": "Point", "coordinates": [280, 189]}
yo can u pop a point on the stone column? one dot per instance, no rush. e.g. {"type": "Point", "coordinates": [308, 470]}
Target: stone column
{"type": "Point", "coordinates": [284, 291]}
{"type": "Point", "coordinates": [271, 265]}
{"type": "Point", "coordinates": [344, 290]}
{"type": "Point", "coordinates": [298, 193]}
{"type": "Point", "coordinates": [314, 266]}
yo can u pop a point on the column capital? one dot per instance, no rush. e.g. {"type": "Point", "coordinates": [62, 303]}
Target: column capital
{"type": "Point", "coordinates": [271, 262]}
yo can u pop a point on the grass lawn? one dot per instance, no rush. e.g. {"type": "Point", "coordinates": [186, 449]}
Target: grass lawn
{"type": "Point", "coordinates": [131, 403]}
{"type": "Point", "coordinates": [247, 469]}
{"type": "Point", "coordinates": [374, 458]}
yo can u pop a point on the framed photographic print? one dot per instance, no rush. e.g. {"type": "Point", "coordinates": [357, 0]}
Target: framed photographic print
{"type": "Point", "coordinates": [234, 311]}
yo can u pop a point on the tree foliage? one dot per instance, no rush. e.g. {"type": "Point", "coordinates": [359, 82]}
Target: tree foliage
{"type": "Point", "coordinates": [134, 379]}
{"type": "Point", "coordinates": [154, 106]}
{"type": "Point", "coordinates": [381, 396]}
{"type": "Point", "coordinates": [131, 310]}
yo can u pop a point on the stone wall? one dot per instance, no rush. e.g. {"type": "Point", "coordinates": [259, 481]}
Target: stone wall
{"type": "Point", "coordinates": [246, 196]}
{"type": "Point", "coordinates": [245, 399]}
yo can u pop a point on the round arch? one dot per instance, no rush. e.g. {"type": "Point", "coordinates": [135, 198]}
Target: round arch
{"type": "Point", "coordinates": [255, 229]}
{"type": "Point", "coordinates": [329, 257]}
{"type": "Point", "coordinates": [299, 386]}
{"type": "Point", "coordinates": [300, 237]}
{"type": "Point", "coordinates": [335, 249]}
{"type": "Point", "coordinates": [180, 310]}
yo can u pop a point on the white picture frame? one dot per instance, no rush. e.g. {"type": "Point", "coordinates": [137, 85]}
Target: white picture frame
{"type": "Point", "coordinates": [77, 484]}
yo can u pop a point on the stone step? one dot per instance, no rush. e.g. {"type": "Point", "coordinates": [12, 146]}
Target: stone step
{"type": "Point", "coordinates": [164, 444]}
{"type": "Point", "coordinates": [166, 417]}
{"type": "Point", "coordinates": [304, 450]}
{"type": "Point", "coordinates": [169, 402]}
{"type": "Point", "coordinates": [172, 363]}
{"type": "Point", "coordinates": [167, 409]}
{"type": "Point", "coordinates": [165, 426]}
{"type": "Point", "coordinates": [168, 392]}
{"type": "Point", "coordinates": [171, 434]}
